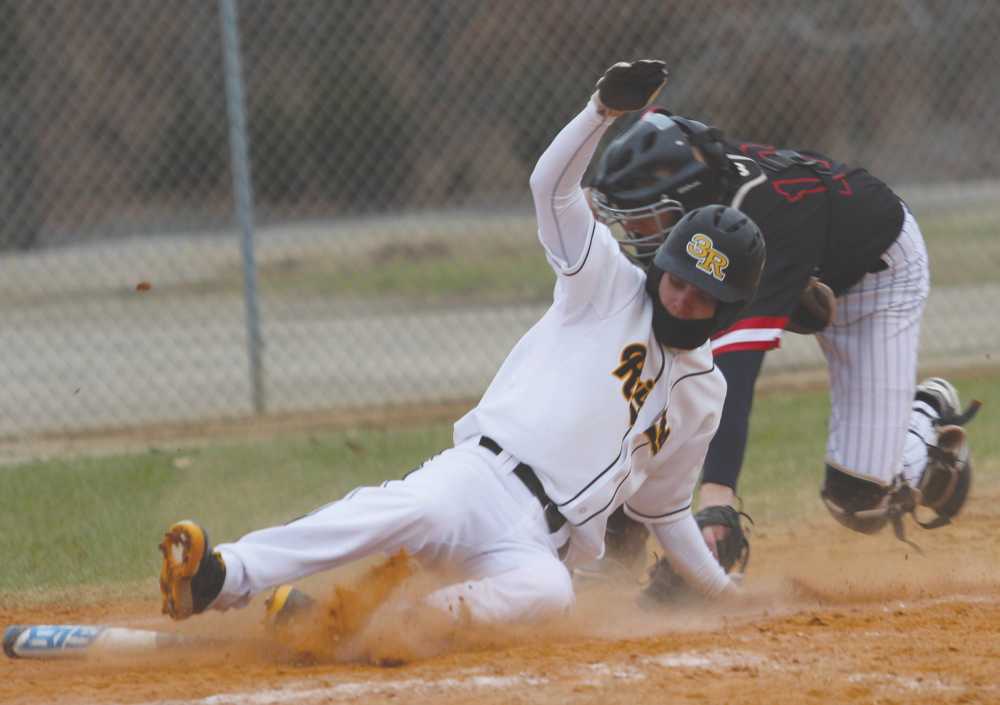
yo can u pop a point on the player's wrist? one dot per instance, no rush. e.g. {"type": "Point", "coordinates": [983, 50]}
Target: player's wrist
{"type": "Point", "coordinates": [603, 110]}
{"type": "Point", "coordinates": [713, 494]}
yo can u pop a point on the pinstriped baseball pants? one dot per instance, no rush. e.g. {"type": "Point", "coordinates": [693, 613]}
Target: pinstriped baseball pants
{"type": "Point", "coordinates": [871, 353]}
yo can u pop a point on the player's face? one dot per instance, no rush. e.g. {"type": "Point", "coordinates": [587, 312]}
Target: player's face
{"type": "Point", "coordinates": [660, 222]}
{"type": "Point", "coordinates": [684, 300]}
{"type": "Point", "coordinates": [651, 224]}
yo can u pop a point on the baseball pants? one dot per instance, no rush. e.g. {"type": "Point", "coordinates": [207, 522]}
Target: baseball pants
{"type": "Point", "coordinates": [871, 353]}
{"type": "Point", "coordinates": [464, 509]}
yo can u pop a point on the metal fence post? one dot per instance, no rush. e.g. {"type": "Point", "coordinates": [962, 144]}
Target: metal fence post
{"type": "Point", "coordinates": [243, 189]}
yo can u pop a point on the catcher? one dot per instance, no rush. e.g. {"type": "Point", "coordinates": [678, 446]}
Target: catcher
{"type": "Point", "coordinates": [847, 264]}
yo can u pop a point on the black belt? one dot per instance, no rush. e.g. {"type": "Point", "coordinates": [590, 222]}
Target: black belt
{"type": "Point", "coordinates": [553, 517]}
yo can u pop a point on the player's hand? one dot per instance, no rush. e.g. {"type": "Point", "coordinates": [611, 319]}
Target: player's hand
{"type": "Point", "coordinates": [713, 536]}
{"type": "Point", "coordinates": [713, 495]}
{"type": "Point", "coordinates": [629, 86]}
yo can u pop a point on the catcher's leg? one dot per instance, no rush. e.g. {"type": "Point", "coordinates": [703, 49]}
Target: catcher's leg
{"type": "Point", "coordinates": [859, 503]}
{"type": "Point", "coordinates": [943, 469]}
{"type": "Point", "coordinates": [871, 352]}
{"type": "Point", "coordinates": [947, 474]}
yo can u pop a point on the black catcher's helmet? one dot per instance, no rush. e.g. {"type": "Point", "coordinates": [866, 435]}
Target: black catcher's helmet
{"type": "Point", "coordinates": [651, 170]}
{"type": "Point", "coordinates": [719, 250]}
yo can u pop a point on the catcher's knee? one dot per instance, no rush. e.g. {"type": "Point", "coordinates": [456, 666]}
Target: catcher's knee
{"type": "Point", "coordinates": [857, 503]}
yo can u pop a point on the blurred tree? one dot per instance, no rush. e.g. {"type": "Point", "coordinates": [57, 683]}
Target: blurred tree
{"type": "Point", "coordinates": [21, 211]}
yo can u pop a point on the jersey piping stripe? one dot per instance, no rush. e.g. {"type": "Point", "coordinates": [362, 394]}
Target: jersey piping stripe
{"type": "Point", "coordinates": [627, 475]}
{"type": "Point", "coordinates": [663, 366]}
{"type": "Point", "coordinates": [586, 254]}
{"type": "Point", "coordinates": [663, 411]}
{"type": "Point", "coordinates": [659, 516]}
{"type": "Point", "coordinates": [609, 502]}
{"type": "Point", "coordinates": [641, 445]}
{"type": "Point", "coordinates": [745, 188]}
{"type": "Point", "coordinates": [693, 374]}
{"type": "Point", "coordinates": [552, 199]}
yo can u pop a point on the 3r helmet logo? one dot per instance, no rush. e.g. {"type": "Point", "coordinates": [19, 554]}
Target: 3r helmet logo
{"type": "Point", "coordinates": [710, 260]}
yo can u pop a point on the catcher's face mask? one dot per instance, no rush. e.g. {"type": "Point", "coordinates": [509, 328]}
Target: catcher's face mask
{"type": "Point", "coordinates": [640, 230]}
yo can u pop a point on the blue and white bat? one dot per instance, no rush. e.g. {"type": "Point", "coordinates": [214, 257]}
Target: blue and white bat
{"type": "Point", "coordinates": [54, 641]}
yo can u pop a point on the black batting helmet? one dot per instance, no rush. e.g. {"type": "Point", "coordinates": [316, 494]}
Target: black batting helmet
{"type": "Point", "coordinates": [719, 250]}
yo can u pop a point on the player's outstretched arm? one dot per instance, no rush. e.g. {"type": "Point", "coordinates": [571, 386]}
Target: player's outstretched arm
{"type": "Point", "coordinates": [724, 460]}
{"type": "Point", "coordinates": [689, 556]}
{"type": "Point", "coordinates": [564, 216]}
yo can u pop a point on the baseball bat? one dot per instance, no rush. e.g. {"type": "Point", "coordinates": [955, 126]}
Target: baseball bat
{"type": "Point", "coordinates": [57, 641]}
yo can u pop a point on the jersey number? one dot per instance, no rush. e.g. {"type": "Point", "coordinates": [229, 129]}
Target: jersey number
{"type": "Point", "coordinates": [795, 190]}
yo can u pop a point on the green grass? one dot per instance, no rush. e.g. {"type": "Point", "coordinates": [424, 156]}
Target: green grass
{"type": "Point", "coordinates": [510, 267]}
{"type": "Point", "coordinates": [496, 264]}
{"type": "Point", "coordinates": [97, 521]}
{"type": "Point", "coordinates": [89, 521]}
{"type": "Point", "coordinates": [963, 247]}
{"type": "Point", "coordinates": [440, 271]}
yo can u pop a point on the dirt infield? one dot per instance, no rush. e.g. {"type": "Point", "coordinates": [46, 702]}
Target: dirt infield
{"type": "Point", "coordinates": [833, 618]}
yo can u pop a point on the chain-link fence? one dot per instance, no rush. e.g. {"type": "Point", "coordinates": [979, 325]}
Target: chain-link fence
{"type": "Point", "coordinates": [390, 144]}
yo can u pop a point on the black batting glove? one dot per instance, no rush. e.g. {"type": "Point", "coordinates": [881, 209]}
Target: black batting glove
{"type": "Point", "coordinates": [631, 86]}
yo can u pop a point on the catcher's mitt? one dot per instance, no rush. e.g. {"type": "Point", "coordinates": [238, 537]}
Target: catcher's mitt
{"type": "Point", "coordinates": [666, 586]}
{"type": "Point", "coordinates": [631, 86]}
{"type": "Point", "coordinates": [815, 309]}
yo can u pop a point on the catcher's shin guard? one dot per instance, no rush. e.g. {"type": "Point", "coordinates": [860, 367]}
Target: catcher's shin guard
{"type": "Point", "coordinates": [856, 502]}
{"type": "Point", "coordinates": [944, 485]}
{"type": "Point", "coordinates": [866, 506]}
{"type": "Point", "coordinates": [192, 574]}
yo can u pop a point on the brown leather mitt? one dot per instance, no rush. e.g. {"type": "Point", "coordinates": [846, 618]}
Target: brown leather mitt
{"type": "Point", "coordinates": [817, 305]}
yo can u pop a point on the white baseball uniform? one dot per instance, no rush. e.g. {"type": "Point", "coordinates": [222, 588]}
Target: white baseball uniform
{"type": "Point", "coordinates": [598, 409]}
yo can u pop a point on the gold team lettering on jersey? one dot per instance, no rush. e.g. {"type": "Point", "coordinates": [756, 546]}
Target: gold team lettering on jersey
{"type": "Point", "coordinates": [658, 433]}
{"type": "Point", "coordinates": [635, 391]}
{"type": "Point", "coordinates": [710, 260]}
